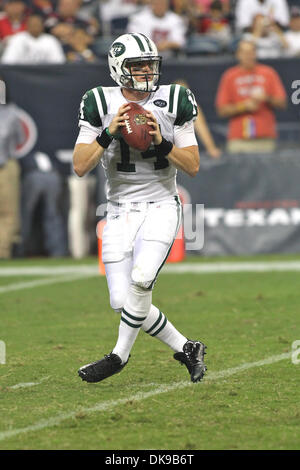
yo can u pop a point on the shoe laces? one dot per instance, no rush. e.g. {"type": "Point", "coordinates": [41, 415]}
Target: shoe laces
{"type": "Point", "coordinates": [111, 357]}
{"type": "Point", "coordinates": [191, 351]}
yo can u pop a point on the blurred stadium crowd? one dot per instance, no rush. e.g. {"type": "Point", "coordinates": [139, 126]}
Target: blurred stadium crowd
{"type": "Point", "coordinates": [57, 31]}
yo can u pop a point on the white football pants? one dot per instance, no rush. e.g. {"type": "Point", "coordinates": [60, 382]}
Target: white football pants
{"type": "Point", "coordinates": [137, 239]}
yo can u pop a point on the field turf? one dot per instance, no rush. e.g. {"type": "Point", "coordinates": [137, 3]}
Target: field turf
{"type": "Point", "coordinates": [249, 398]}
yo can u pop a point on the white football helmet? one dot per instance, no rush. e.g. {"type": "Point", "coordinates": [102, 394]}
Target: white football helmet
{"type": "Point", "coordinates": [130, 49]}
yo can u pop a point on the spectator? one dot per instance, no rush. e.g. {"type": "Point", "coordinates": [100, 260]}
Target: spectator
{"type": "Point", "coordinates": [164, 27]}
{"type": "Point", "coordinates": [114, 14]}
{"type": "Point", "coordinates": [292, 36]}
{"type": "Point", "coordinates": [202, 130]}
{"type": "Point", "coordinates": [89, 9]}
{"type": "Point", "coordinates": [248, 94]}
{"type": "Point", "coordinates": [33, 46]}
{"type": "Point", "coordinates": [246, 10]}
{"type": "Point", "coordinates": [79, 47]}
{"type": "Point", "coordinates": [215, 24]}
{"type": "Point", "coordinates": [183, 8]}
{"type": "Point", "coordinates": [268, 37]}
{"type": "Point", "coordinates": [44, 8]}
{"type": "Point", "coordinates": [42, 187]}
{"type": "Point", "coordinates": [67, 12]}
{"type": "Point", "coordinates": [202, 7]}
{"type": "Point", "coordinates": [13, 18]}
{"type": "Point", "coordinates": [64, 32]}
{"type": "Point", "coordinates": [11, 136]}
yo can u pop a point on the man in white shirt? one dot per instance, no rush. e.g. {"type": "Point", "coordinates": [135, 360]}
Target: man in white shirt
{"type": "Point", "coordinates": [119, 11]}
{"type": "Point", "coordinates": [292, 36]}
{"type": "Point", "coordinates": [268, 38]}
{"type": "Point", "coordinates": [246, 10]}
{"type": "Point", "coordinates": [165, 28]}
{"type": "Point", "coordinates": [33, 46]}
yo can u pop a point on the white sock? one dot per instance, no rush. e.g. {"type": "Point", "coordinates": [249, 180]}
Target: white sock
{"type": "Point", "coordinates": [157, 325]}
{"type": "Point", "coordinates": [134, 313]}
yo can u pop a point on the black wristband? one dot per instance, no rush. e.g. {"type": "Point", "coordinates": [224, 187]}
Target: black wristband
{"type": "Point", "coordinates": [104, 139]}
{"type": "Point", "coordinates": [164, 148]}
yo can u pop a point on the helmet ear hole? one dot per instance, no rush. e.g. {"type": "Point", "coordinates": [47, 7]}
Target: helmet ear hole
{"type": "Point", "coordinates": [123, 80]}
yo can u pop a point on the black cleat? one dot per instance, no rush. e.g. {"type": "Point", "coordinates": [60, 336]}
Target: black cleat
{"type": "Point", "coordinates": [192, 357]}
{"type": "Point", "coordinates": [96, 371]}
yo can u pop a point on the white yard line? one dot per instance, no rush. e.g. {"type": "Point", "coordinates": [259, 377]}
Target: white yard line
{"type": "Point", "coordinates": [198, 268]}
{"type": "Point", "coordinates": [43, 282]}
{"type": "Point", "coordinates": [48, 270]}
{"type": "Point", "coordinates": [139, 396]}
{"type": "Point", "coordinates": [27, 384]}
{"type": "Point", "coordinates": [230, 267]}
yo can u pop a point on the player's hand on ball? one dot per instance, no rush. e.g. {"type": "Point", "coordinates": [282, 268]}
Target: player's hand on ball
{"type": "Point", "coordinates": [157, 137]}
{"type": "Point", "coordinates": [119, 120]}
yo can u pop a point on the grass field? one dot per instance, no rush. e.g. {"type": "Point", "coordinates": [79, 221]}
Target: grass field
{"type": "Point", "coordinates": [53, 321]}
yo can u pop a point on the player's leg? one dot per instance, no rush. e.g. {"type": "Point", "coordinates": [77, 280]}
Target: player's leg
{"type": "Point", "coordinates": [151, 251]}
{"type": "Point", "coordinates": [152, 244]}
{"type": "Point", "coordinates": [158, 326]}
{"type": "Point", "coordinates": [137, 303]}
{"type": "Point", "coordinates": [153, 239]}
{"type": "Point", "coordinates": [125, 298]}
{"type": "Point", "coordinates": [137, 310]}
{"type": "Point", "coordinates": [118, 276]}
{"type": "Point", "coordinates": [152, 247]}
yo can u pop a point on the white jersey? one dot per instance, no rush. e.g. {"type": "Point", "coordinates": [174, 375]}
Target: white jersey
{"type": "Point", "coordinates": [23, 48]}
{"type": "Point", "coordinates": [133, 175]}
{"type": "Point", "coordinates": [169, 27]}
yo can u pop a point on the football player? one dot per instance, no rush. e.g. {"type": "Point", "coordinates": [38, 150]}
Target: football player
{"type": "Point", "coordinates": [143, 209]}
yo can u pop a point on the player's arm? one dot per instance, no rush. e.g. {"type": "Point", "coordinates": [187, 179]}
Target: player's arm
{"type": "Point", "coordinates": [186, 159]}
{"type": "Point", "coordinates": [86, 156]}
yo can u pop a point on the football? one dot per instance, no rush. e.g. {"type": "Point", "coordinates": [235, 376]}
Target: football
{"type": "Point", "coordinates": [136, 131]}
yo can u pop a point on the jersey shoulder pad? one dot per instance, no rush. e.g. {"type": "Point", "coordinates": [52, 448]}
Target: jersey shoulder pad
{"type": "Point", "coordinates": [182, 104]}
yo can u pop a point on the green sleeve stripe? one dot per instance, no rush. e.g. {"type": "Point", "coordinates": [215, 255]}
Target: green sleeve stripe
{"type": "Point", "coordinates": [98, 101]}
{"type": "Point", "coordinates": [91, 103]}
{"type": "Point", "coordinates": [187, 107]}
{"type": "Point", "coordinates": [141, 45]}
{"type": "Point", "coordinates": [182, 101]}
{"type": "Point", "coordinates": [171, 102]}
{"type": "Point", "coordinates": [103, 100]}
{"type": "Point", "coordinates": [89, 110]}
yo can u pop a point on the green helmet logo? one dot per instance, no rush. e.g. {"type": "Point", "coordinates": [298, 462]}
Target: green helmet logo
{"type": "Point", "coordinates": [118, 49]}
